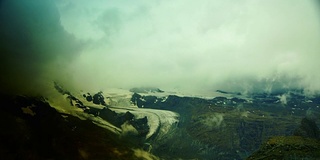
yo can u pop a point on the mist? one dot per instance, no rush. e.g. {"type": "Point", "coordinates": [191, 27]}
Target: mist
{"type": "Point", "coordinates": [34, 46]}
{"type": "Point", "coordinates": [244, 46]}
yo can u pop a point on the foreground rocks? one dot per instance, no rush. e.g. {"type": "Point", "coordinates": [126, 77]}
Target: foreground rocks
{"type": "Point", "coordinates": [31, 129]}
{"type": "Point", "coordinates": [289, 147]}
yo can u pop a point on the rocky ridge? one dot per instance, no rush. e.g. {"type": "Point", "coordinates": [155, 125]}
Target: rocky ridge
{"type": "Point", "coordinates": [168, 126]}
{"type": "Point", "coordinates": [234, 127]}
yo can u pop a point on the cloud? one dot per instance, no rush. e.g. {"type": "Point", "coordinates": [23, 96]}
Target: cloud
{"type": "Point", "coordinates": [203, 44]}
{"type": "Point", "coordinates": [128, 129]}
{"type": "Point", "coordinates": [32, 40]}
{"type": "Point", "coordinates": [283, 98]}
{"type": "Point", "coordinates": [190, 45]}
{"type": "Point", "coordinates": [214, 121]}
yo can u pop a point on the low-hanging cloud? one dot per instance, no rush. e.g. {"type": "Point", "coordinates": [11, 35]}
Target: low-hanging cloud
{"type": "Point", "coordinates": [244, 45]}
{"type": "Point", "coordinates": [33, 45]}
{"type": "Point", "coordinates": [214, 121]}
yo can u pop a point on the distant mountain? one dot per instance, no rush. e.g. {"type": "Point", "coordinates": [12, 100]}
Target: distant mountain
{"type": "Point", "coordinates": [146, 90]}
{"type": "Point", "coordinates": [158, 124]}
{"type": "Point", "coordinates": [226, 92]}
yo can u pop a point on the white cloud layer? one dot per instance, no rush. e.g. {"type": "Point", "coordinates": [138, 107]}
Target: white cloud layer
{"type": "Point", "coordinates": [244, 45]}
{"type": "Point", "coordinates": [196, 44]}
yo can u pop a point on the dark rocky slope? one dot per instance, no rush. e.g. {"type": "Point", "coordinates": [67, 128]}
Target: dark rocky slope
{"type": "Point", "coordinates": [32, 129]}
{"type": "Point", "coordinates": [288, 148]}
{"type": "Point", "coordinates": [228, 128]}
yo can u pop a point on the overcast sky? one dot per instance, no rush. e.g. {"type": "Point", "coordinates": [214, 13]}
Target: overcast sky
{"type": "Point", "coordinates": [241, 45]}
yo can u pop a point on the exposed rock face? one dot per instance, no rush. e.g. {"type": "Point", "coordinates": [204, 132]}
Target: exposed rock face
{"type": "Point", "coordinates": [98, 99]}
{"type": "Point", "coordinates": [73, 100]}
{"type": "Point", "coordinates": [308, 129]}
{"type": "Point", "coordinates": [88, 97]}
{"type": "Point", "coordinates": [141, 125]}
